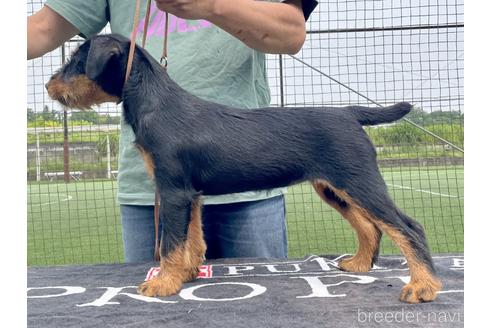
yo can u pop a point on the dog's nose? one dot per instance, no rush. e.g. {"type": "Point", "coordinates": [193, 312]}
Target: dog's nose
{"type": "Point", "coordinates": [48, 83]}
{"type": "Point", "coordinates": [55, 76]}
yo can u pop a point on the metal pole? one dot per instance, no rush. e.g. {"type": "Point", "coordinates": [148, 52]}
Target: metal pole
{"type": "Point", "coordinates": [281, 72]}
{"type": "Point", "coordinates": [38, 159]}
{"type": "Point", "coordinates": [108, 154]}
{"type": "Point", "coordinates": [378, 104]}
{"type": "Point", "coordinates": [66, 160]}
{"type": "Point", "coordinates": [385, 29]}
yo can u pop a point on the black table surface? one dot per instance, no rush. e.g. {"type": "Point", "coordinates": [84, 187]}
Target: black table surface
{"type": "Point", "coordinates": [309, 292]}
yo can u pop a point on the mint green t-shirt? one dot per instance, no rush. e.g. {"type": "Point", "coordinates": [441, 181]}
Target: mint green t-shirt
{"type": "Point", "coordinates": [203, 59]}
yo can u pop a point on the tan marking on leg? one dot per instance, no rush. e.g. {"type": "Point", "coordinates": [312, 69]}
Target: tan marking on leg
{"type": "Point", "coordinates": [195, 241]}
{"type": "Point", "coordinates": [182, 264]}
{"type": "Point", "coordinates": [148, 162]}
{"type": "Point", "coordinates": [369, 239]}
{"type": "Point", "coordinates": [423, 285]}
{"type": "Point", "coordinates": [78, 92]}
{"type": "Point", "coordinates": [367, 233]}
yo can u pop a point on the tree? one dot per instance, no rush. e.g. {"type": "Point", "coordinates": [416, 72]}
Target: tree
{"type": "Point", "coordinates": [421, 117]}
{"type": "Point", "coordinates": [31, 115]}
{"type": "Point", "coordinates": [88, 116]}
{"type": "Point", "coordinates": [48, 115]}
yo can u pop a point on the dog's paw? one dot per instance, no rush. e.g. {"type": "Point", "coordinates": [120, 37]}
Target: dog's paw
{"type": "Point", "coordinates": [354, 264]}
{"type": "Point", "coordinates": [191, 274]}
{"type": "Point", "coordinates": [418, 292]}
{"type": "Point", "coordinates": [160, 286]}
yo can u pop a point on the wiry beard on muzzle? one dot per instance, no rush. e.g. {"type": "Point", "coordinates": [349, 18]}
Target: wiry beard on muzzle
{"type": "Point", "coordinates": [79, 92]}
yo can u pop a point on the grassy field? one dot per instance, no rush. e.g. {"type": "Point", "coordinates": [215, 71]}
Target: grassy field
{"type": "Point", "coordinates": [79, 223]}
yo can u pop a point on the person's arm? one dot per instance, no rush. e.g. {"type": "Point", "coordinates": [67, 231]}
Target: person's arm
{"type": "Point", "coordinates": [269, 27]}
{"type": "Point", "coordinates": [47, 30]}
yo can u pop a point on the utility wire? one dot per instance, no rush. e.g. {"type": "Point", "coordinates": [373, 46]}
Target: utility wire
{"type": "Point", "coordinates": [378, 104]}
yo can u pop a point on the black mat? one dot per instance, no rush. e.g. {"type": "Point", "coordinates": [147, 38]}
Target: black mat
{"type": "Point", "coordinates": [309, 292]}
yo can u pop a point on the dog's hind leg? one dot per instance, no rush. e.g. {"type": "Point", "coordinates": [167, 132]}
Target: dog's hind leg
{"type": "Point", "coordinates": [409, 235]}
{"type": "Point", "coordinates": [368, 234]}
{"type": "Point", "coordinates": [369, 208]}
{"type": "Point", "coordinates": [182, 245]}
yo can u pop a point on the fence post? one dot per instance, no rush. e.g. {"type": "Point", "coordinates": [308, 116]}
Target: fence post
{"type": "Point", "coordinates": [66, 162]}
{"type": "Point", "coordinates": [38, 159]}
{"type": "Point", "coordinates": [108, 154]}
{"type": "Point", "coordinates": [281, 73]}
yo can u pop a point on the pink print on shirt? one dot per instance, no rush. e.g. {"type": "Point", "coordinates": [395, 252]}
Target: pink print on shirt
{"type": "Point", "coordinates": [158, 19]}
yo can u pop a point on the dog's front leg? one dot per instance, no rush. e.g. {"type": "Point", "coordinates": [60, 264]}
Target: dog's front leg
{"type": "Point", "coordinates": [182, 245]}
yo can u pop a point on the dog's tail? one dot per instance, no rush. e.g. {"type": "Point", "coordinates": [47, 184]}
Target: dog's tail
{"type": "Point", "coordinates": [373, 116]}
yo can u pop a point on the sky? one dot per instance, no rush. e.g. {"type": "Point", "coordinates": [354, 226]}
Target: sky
{"type": "Point", "coordinates": [423, 66]}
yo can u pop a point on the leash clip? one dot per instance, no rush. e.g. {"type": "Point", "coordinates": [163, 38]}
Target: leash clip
{"type": "Point", "coordinates": [164, 59]}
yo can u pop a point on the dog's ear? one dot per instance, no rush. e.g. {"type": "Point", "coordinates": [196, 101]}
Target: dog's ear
{"type": "Point", "coordinates": [101, 53]}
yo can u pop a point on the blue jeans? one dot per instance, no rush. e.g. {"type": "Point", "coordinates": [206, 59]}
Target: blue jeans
{"type": "Point", "coordinates": [245, 229]}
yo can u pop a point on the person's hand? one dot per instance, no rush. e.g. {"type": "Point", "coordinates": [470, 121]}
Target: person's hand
{"type": "Point", "coordinates": [187, 9]}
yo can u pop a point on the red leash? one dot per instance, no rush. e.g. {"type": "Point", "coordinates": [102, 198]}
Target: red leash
{"type": "Point", "coordinates": [133, 38]}
{"type": "Point", "coordinates": [131, 55]}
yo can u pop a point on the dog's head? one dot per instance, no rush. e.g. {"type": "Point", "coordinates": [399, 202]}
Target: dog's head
{"type": "Point", "coordinates": [95, 73]}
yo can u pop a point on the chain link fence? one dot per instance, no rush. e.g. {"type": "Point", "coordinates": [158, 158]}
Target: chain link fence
{"type": "Point", "coordinates": [356, 52]}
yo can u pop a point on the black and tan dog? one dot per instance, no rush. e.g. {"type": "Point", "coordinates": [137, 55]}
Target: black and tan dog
{"type": "Point", "coordinates": [193, 147]}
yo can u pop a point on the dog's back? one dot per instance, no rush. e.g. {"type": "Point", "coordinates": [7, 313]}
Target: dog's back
{"type": "Point", "coordinates": [238, 150]}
